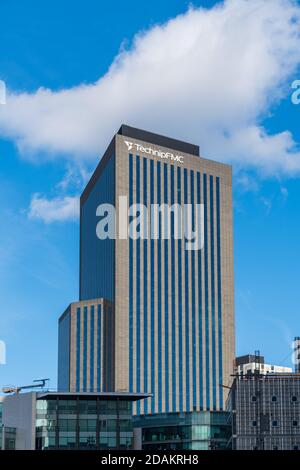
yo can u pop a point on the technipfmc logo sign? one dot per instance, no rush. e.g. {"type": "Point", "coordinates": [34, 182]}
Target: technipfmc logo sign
{"type": "Point", "coordinates": [129, 145]}
{"type": "Point", "coordinates": [155, 152]}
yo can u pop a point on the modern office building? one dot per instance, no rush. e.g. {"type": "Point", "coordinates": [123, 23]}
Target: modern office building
{"type": "Point", "coordinates": [53, 420]}
{"type": "Point", "coordinates": [206, 430]}
{"type": "Point", "coordinates": [265, 411]}
{"type": "Point", "coordinates": [171, 326]}
{"type": "Point", "coordinates": [252, 363]}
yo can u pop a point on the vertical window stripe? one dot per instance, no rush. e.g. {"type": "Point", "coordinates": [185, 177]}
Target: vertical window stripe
{"type": "Point", "coordinates": [130, 281]}
{"type": "Point", "coordinates": [212, 264]}
{"type": "Point", "coordinates": [200, 303]}
{"type": "Point", "coordinates": [99, 346]}
{"type": "Point", "coordinates": [180, 332]}
{"type": "Point", "coordinates": [78, 350]}
{"type": "Point", "coordinates": [186, 298]}
{"type": "Point", "coordinates": [84, 348]}
{"type": "Point", "coordinates": [138, 290]}
{"type": "Point", "coordinates": [152, 280]}
{"type": "Point", "coordinates": [166, 285]}
{"type": "Point", "coordinates": [145, 242]}
{"type": "Point", "coordinates": [174, 362]}
{"type": "Point", "coordinates": [92, 348]}
{"type": "Point", "coordinates": [193, 297]}
{"type": "Point", "coordinates": [159, 295]}
{"type": "Point", "coordinates": [219, 291]}
{"type": "Point", "coordinates": [207, 368]}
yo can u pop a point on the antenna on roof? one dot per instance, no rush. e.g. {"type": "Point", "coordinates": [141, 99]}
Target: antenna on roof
{"type": "Point", "coordinates": [13, 389]}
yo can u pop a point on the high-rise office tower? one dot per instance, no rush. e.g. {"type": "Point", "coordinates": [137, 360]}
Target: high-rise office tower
{"type": "Point", "coordinates": [171, 324]}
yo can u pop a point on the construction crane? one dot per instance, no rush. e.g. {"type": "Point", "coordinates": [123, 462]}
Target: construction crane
{"type": "Point", "coordinates": [13, 389]}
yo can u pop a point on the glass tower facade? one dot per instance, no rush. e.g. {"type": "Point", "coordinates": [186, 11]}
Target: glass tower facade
{"type": "Point", "coordinates": [175, 295]}
{"type": "Point", "coordinates": [97, 259]}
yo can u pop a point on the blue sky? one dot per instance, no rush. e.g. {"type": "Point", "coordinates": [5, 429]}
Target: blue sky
{"type": "Point", "coordinates": [228, 92]}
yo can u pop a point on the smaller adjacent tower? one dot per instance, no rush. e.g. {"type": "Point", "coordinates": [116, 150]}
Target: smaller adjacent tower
{"type": "Point", "coordinates": [85, 347]}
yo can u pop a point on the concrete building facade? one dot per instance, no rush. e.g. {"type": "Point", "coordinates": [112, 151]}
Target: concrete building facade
{"type": "Point", "coordinates": [265, 411]}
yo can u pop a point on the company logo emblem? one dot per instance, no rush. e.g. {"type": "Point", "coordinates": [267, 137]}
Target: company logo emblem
{"type": "Point", "coordinates": [156, 153]}
{"type": "Point", "coordinates": [129, 145]}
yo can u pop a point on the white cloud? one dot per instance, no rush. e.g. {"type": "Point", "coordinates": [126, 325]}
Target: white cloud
{"type": "Point", "coordinates": [268, 203]}
{"type": "Point", "coordinates": [284, 193]}
{"type": "Point", "coordinates": [2, 92]}
{"type": "Point", "coordinates": [246, 182]}
{"type": "Point", "coordinates": [54, 210]}
{"type": "Point", "coordinates": [207, 76]}
{"type": "Point", "coordinates": [76, 177]}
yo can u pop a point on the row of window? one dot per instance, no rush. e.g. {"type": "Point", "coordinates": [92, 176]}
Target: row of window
{"type": "Point", "coordinates": [88, 442]}
{"type": "Point", "coordinates": [176, 433]}
{"type": "Point", "coordinates": [82, 406]}
{"type": "Point", "coordinates": [84, 425]}
{"type": "Point", "coordinates": [294, 399]}
{"type": "Point", "coordinates": [275, 423]}
{"type": "Point", "coordinates": [296, 447]}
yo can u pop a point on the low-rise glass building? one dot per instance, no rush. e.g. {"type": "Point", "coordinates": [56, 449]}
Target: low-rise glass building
{"type": "Point", "coordinates": [184, 431]}
{"type": "Point", "coordinates": [88, 421]}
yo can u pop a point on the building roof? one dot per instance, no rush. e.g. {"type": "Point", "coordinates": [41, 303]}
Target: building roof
{"type": "Point", "coordinates": [269, 376]}
{"type": "Point", "coordinates": [158, 139]}
{"type": "Point", "coordinates": [139, 134]}
{"type": "Point", "coordinates": [248, 359]}
{"type": "Point", "coordinates": [90, 395]}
